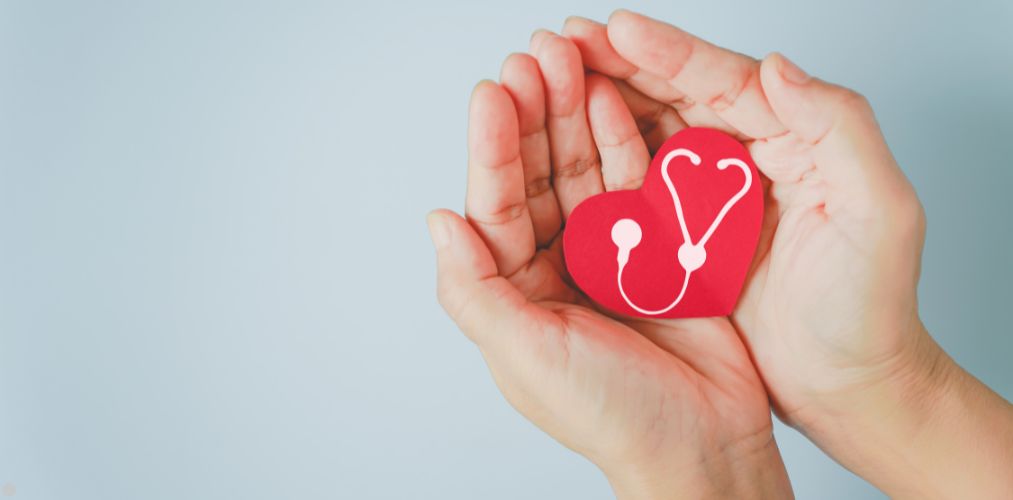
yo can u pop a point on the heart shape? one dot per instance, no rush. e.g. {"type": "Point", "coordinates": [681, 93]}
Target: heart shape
{"type": "Point", "coordinates": [681, 245]}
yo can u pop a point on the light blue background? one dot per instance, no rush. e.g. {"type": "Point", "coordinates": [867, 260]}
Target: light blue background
{"type": "Point", "coordinates": [215, 279]}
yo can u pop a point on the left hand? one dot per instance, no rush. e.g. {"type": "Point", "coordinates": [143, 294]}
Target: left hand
{"type": "Point", "coordinates": [830, 311]}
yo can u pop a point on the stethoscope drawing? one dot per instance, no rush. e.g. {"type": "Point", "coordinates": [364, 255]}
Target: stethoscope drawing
{"type": "Point", "coordinates": [626, 233]}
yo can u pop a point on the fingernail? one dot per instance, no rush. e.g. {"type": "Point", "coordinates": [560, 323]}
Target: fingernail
{"type": "Point", "coordinates": [438, 230]}
{"type": "Point", "coordinates": [537, 32]}
{"type": "Point", "coordinates": [482, 83]}
{"type": "Point", "coordinates": [620, 12]}
{"type": "Point", "coordinates": [583, 20]}
{"type": "Point", "coordinates": [791, 72]}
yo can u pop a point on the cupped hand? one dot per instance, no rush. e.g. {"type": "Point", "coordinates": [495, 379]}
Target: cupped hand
{"type": "Point", "coordinates": [661, 406]}
{"type": "Point", "coordinates": [830, 301]}
{"type": "Point", "coordinates": [829, 311]}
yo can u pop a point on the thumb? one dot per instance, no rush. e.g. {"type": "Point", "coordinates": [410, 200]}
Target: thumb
{"type": "Point", "coordinates": [468, 285]}
{"type": "Point", "coordinates": [848, 149]}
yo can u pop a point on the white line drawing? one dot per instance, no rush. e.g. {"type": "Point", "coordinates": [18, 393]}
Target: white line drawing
{"type": "Point", "coordinates": [626, 233]}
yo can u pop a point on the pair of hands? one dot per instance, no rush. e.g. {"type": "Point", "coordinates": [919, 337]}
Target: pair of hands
{"type": "Point", "coordinates": [826, 330]}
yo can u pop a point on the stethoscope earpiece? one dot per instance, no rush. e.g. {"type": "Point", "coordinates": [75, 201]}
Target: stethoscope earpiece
{"type": "Point", "coordinates": [626, 233]}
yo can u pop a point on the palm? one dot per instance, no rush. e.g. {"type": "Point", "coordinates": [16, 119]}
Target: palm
{"type": "Point", "coordinates": [815, 258]}
{"type": "Point", "coordinates": [801, 263]}
{"type": "Point", "coordinates": [617, 379]}
{"type": "Point", "coordinates": [634, 388]}
{"type": "Point", "coordinates": [810, 288]}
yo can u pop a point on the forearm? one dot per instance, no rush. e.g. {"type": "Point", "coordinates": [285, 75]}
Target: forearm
{"type": "Point", "coordinates": [752, 474]}
{"type": "Point", "coordinates": [931, 430]}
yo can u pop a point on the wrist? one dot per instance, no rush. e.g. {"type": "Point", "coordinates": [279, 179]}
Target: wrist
{"type": "Point", "coordinates": [744, 472]}
{"type": "Point", "coordinates": [916, 428]}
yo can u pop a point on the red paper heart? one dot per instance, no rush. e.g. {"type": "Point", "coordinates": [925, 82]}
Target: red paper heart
{"type": "Point", "coordinates": [654, 274]}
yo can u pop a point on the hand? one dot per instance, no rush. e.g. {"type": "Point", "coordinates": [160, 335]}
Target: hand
{"type": "Point", "coordinates": [661, 406]}
{"type": "Point", "coordinates": [829, 311]}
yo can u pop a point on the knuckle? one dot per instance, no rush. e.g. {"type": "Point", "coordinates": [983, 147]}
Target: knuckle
{"type": "Point", "coordinates": [727, 95]}
{"type": "Point", "coordinates": [625, 184]}
{"type": "Point", "coordinates": [856, 99]}
{"type": "Point", "coordinates": [649, 121]}
{"type": "Point", "coordinates": [854, 102]}
{"type": "Point", "coordinates": [681, 103]}
{"type": "Point", "coordinates": [501, 215]}
{"type": "Point", "coordinates": [907, 214]}
{"type": "Point", "coordinates": [537, 187]}
{"type": "Point", "coordinates": [578, 167]}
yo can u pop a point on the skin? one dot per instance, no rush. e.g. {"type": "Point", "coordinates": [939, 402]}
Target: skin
{"type": "Point", "coordinates": [827, 325]}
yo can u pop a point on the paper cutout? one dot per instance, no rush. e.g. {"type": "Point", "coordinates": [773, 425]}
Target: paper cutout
{"type": "Point", "coordinates": [681, 245]}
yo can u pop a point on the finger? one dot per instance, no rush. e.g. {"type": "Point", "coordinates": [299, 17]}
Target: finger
{"type": "Point", "coordinates": [495, 202]}
{"type": "Point", "coordinates": [599, 54]}
{"type": "Point", "coordinates": [848, 149]}
{"type": "Point", "coordinates": [624, 156]}
{"type": "Point", "coordinates": [655, 120]}
{"type": "Point", "coordinates": [724, 81]}
{"type": "Point", "coordinates": [576, 169]}
{"type": "Point", "coordinates": [480, 301]}
{"type": "Point", "coordinates": [537, 37]}
{"type": "Point", "coordinates": [523, 81]}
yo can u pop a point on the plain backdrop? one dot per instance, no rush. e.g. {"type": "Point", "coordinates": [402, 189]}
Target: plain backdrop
{"type": "Point", "coordinates": [215, 277]}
